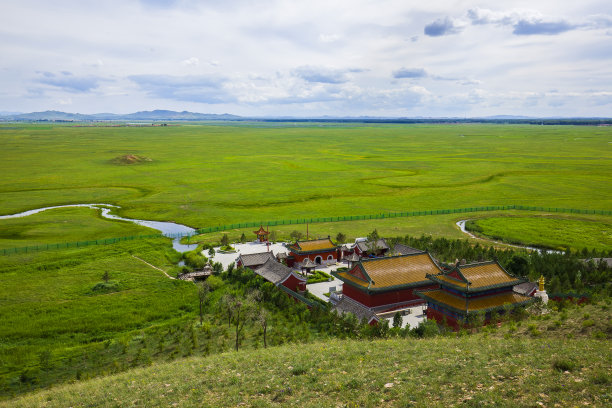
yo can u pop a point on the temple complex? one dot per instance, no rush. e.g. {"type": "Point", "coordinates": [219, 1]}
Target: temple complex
{"type": "Point", "coordinates": [384, 284]}
{"type": "Point", "coordinates": [467, 290]}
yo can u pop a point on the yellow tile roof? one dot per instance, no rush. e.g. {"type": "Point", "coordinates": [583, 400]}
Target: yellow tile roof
{"type": "Point", "coordinates": [475, 304]}
{"type": "Point", "coordinates": [394, 271]}
{"type": "Point", "coordinates": [487, 274]}
{"type": "Point", "coordinates": [315, 245]}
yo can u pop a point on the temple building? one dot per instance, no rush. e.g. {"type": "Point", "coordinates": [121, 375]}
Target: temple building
{"type": "Point", "coordinates": [384, 284]}
{"type": "Point", "coordinates": [262, 234]}
{"type": "Point", "coordinates": [279, 274]}
{"type": "Point", "coordinates": [318, 251]}
{"type": "Point", "coordinates": [253, 261]}
{"type": "Point", "coordinates": [465, 290]}
{"type": "Point", "coordinates": [366, 249]}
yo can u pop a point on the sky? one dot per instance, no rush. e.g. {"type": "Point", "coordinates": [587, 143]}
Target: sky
{"type": "Point", "coordinates": [394, 58]}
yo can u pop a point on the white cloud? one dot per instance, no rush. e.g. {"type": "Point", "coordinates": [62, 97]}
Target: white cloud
{"type": "Point", "coordinates": [193, 61]}
{"type": "Point", "coordinates": [280, 57]}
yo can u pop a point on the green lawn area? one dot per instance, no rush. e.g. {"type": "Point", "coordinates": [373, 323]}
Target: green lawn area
{"type": "Point", "coordinates": [547, 231]}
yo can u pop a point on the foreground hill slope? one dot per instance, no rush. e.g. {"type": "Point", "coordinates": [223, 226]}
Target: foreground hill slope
{"type": "Point", "coordinates": [486, 369]}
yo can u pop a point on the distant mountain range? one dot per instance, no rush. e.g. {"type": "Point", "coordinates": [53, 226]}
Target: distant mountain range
{"type": "Point", "coordinates": [155, 115]}
{"type": "Point", "coordinates": [168, 115]}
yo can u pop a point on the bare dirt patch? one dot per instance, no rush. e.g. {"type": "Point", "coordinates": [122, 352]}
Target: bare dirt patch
{"type": "Point", "coordinates": [131, 159]}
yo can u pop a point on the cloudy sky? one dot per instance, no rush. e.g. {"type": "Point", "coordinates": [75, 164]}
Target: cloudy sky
{"type": "Point", "coordinates": [306, 58]}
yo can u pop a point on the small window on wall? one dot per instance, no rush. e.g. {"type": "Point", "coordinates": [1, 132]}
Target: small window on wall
{"type": "Point", "coordinates": [330, 257]}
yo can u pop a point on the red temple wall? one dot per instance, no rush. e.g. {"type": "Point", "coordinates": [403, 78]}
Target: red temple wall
{"type": "Point", "coordinates": [294, 284]}
{"type": "Point", "coordinates": [312, 256]}
{"type": "Point", "coordinates": [386, 298]}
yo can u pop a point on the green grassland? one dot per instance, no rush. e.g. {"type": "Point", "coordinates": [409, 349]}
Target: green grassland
{"type": "Point", "coordinates": [520, 364]}
{"type": "Point", "coordinates": [64, 225]}
{"type": "Point", "coordinates": [443, 225]}
{"type": "Point", "coordinates": [550, 232]}
{"type": "Point", "coordinates": [205, 175]}
{"type": "Point", "coordinates": [61, 322]}
{"type": "Point", "coordinates": [51, 303]}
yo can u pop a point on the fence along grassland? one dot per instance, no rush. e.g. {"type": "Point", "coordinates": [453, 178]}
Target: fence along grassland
{"type": "Point", "coordinates": [298, 221]}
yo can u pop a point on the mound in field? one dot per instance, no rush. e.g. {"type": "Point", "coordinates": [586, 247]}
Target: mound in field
{"type": "Point", "coordinates": [130, 159]}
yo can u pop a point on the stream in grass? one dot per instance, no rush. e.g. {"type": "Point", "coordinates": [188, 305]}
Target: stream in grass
{"type": "Point", "coordinates": [168, 229]}
{"type": "Point", "coordinates": [461, 225]}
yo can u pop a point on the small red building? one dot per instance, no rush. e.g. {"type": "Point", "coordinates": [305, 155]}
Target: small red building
{"type": "Point", "coordinates": [279, 274]}
{"type": "Point", "coordinates": [384, 284]}
{"type": "Point", "coordinates": [467, 290]}
{"type": "Point", "coordinates": [319, 251]}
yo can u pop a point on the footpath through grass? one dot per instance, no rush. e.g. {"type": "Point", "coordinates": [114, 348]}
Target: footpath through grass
{"type": "Point", "coordinates": [506, 366]}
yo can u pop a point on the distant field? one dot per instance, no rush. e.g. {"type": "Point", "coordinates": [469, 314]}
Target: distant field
{"type": "Point", "coordinates": [210, 174]}
{"type": "Point", "coordinates": [551, 232]}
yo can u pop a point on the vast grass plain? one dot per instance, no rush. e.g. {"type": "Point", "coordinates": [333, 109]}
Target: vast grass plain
{"type": "Point", "coordinates": [57, 328]}
{"type": "Point", "coordinates": [220, 173]}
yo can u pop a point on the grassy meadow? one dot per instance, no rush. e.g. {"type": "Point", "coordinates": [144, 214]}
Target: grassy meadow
{"type": "Point", "coordinates": [53, 304]}
{"type": "Point", "coordinates": [62, 323]}
{"type": "Point", "coordinates": [210, 174]}
{"type": "Point", "coordinates": [64, 225]}
{"type": "Point", "coordinates": [518, 364]}
{"type": "Point", "coordinates": [550, 232]}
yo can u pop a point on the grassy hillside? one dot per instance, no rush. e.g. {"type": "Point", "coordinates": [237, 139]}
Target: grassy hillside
{"type": "Point", "coordinates": [529, 363]}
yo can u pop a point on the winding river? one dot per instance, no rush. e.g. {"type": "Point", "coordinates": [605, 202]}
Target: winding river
{"type": "Point", "coordinates": [177, 231]}
{"type": "Point", "coordinates": [168, 229]}
{"type": "Point", "coordinates": [461, 225]}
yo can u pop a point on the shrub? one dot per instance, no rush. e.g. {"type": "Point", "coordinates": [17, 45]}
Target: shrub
{"type": "Point", "coordinates": [588, 323]}
{"type": "Point", "coordinates": [106, 287]}
{"type": "Point", "coordinates": [563, 365]}
{"type": "Point", "coordinates": [299, 370]}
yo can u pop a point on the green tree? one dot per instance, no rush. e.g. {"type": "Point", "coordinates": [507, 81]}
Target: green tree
{"type": "Point", "coordinates": [243, 238]}
{"type": "Point", "coordinates": [373, 238]}
{"type": "Point", "coordinates": [203, 290]}
{"type": "Point", "coordinates": [296, 235]}
{"type": "Point", "coordinates": [211, 253]}
{"type": "Point", "coordinates": [272, 236]}
{"type": "Point", "coordinates": [226, 305]}
{"type": "Point", "coordinates": [106, 277]}
{"type": "Point", "coordinates": [263, 317]}
{"type": "Point", "coordinates": [341, 238]}
{"type": "Point", "coordinates": [397, 320]}
{"type": "Point", "coordinates": [224, 240]}
{"type": "Point", "coordinates": [518, 266]}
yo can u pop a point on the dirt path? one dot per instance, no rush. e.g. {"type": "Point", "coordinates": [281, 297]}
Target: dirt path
{"type": "Point", "coordinates": [153, 266]}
